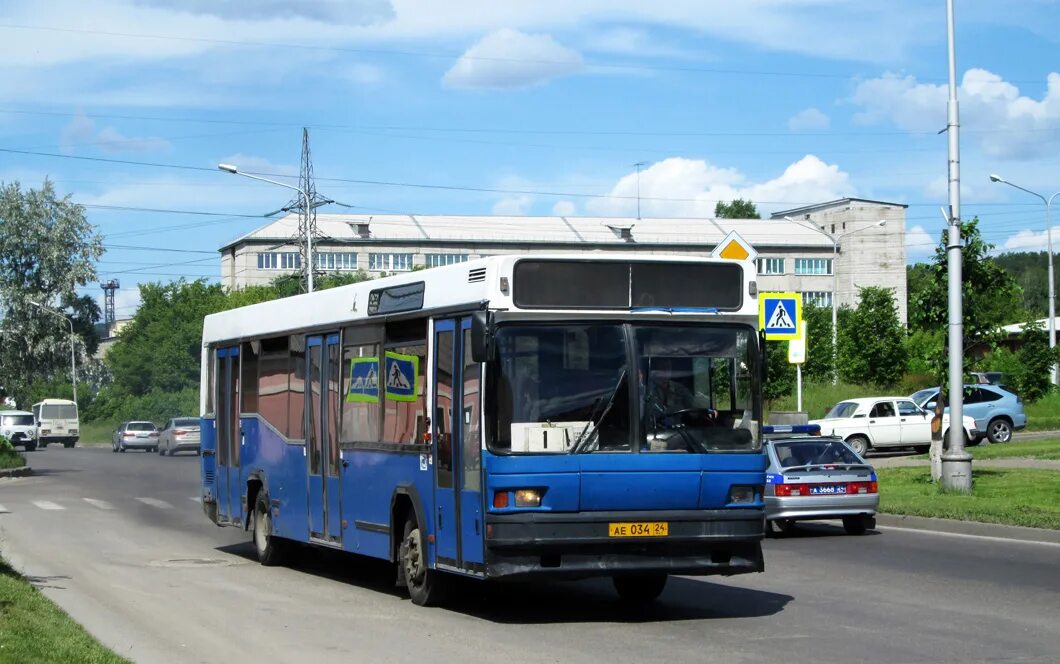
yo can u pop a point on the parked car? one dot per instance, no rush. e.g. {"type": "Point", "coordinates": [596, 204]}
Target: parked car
{"type": "Point", "coordinates": [180, 434]}
{"type": "Point", "coordinates": [818, 478]}
{"type": "Point", "coordinates": [881, 422]}
{"type": "Point", "coordinates": [136, 435]}
{"type": "Point", "coordinates": [19, 427]}
{"type": "Point", "coordinates": [997, 412]}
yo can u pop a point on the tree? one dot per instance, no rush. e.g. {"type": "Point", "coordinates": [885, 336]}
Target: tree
{"type": "Point", "coordinates": [871, 340]}
{"type": "Point", "coordinates": [819, 363]}
{"type": "Point", "coordinates": [1034, 362]}
{"type": "Point", "coordinates": [991, 297]}
{"type": "Point", "coordinates": [737, 209]}
{"type": "Point", "coordinates": [780, 378]}
{"type": "Point", "coordinates": [47, 249]}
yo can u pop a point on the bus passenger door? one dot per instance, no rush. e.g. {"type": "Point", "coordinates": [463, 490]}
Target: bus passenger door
{"type": "Point", "coordinates": [322, 407]}
{"type": "Point", "coordinates": [443, 439]}
{"type": "Point", "coordinates": [470, 379]}
{"type": "Point", "coordinates": [228, 434]}
{"type": "Point", "coordinates": [457, 446]}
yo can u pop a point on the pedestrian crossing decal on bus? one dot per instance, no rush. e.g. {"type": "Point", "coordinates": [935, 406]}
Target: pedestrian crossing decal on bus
{"type": "Point", "coordinates": [402, 375]}
{"type": "Point", "coordinates": [364, 380]}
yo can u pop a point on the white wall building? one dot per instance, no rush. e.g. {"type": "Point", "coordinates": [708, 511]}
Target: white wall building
{"type": "Point", "coordinates": [792, 256]}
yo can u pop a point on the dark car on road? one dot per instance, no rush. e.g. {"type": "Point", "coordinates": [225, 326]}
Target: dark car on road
{"type": "Point", "coordinates": [136, 435]}
{"type": "Point", "coordinates": [811, 478]}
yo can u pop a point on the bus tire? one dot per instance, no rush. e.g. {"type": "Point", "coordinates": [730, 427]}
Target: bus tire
{"type": "Point", "coordinates": [639, 587]}
{"type": "Point", "coordinates": [271, 550]}
{"type": "Point", "coordinates": [426, 586]}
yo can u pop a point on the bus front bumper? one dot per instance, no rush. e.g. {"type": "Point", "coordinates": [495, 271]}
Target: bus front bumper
{"type": "Point", "coordinates": [574, 545]}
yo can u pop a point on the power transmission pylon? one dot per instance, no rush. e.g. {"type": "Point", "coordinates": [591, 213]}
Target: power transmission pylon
{"type": "Point", "coordinates": [108, 303]}
{"type": "Point", "coordinates": [307, 214]}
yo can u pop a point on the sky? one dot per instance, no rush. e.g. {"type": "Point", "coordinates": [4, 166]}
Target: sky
{"type": "Point", "coordinates": [525, 107]}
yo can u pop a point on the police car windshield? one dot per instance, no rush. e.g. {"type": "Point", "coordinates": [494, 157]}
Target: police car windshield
{"type": "Point", "coordinates": [813, 452]}
{"type": "Point", "coordinates": [842, 409]}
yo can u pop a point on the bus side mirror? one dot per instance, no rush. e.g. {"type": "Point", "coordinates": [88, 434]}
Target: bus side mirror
{"type": "Point", "coordinates": [481, 336]}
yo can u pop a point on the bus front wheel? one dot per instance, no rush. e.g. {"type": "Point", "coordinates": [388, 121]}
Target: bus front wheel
{"type": "Point", "coordinates": [425, 585]}
{"type": "Point", "coordinates": [639, 587]}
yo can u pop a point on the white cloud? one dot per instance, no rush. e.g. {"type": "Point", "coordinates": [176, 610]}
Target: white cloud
{"type": "Point", "coordinates": [564, 209]}
{"type": "Point", "coordinates": [918, 243]}
{"type": "Point", "coordinates": [253, 164]}
{"type": "Point", "coordinates": [808, 119]}
{"type": "Point", "coordinates": [325, 11]}
{"type": "Point", "coordinates": [692, 187]}
{"type": "Point", "coordinates": [515, 206]}
{"type": "Point", "coordinates": [81, 132]}
{"type": "Point", "coordinates": [1003, 122]}
{"type": "Point", "coordinates": [1027, 240]}
{"type": "Point", "coordinates": [508, 58]}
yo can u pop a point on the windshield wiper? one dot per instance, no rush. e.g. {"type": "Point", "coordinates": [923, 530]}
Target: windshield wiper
{"type": "Point", "coordinates": [591, 425]}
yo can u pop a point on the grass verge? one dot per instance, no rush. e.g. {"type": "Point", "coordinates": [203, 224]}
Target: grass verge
{"type": "Point", "coordinates": [10, 459]}
{"type": "Point", "coordinates": [96, 433]}
{"type": "Point", "coordinates": [1048, 449]}
{"type": "Point", "coordinates": [1016, 497]}
{"type": "Point", "coordinates": [33, 629]}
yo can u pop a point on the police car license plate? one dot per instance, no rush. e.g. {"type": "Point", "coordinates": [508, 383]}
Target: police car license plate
{"type": "Point", "coordinates": [828, 489]}
{"type": "Point", "coordinates": [639, 529]}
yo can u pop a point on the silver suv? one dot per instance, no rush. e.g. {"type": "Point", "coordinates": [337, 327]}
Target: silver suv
{"type": "Point", "coordinates": [18, 427]}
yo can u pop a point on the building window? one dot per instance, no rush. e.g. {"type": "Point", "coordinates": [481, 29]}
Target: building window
{"type": "Point", "coordinates": [438, 260]}
{"type": "Point", "coordinates": [389, 262]}
{"type": "Point", "coordinates": [770, 266]}
{"type": "Point", "coordinates": [813, 266]}
{"type": "Point", "coordinates": [817, 298]}
{"type": "Point", "coordinates": [279, 260]}
{"type": "Point", "coordinates": [335, 260]}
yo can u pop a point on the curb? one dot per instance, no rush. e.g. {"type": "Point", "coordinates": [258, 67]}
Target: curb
{"type": "Point", "coordinates": [953, 526]}
{"type": "Point", "coordinates": [22, 471]}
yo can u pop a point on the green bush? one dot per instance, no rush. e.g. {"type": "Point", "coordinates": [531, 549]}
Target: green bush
{"type": "Point", "coordinates": [156, 406]}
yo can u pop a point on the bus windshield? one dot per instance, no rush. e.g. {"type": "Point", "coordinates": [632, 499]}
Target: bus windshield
{"type": "Point", "coordinates": [570, 388]}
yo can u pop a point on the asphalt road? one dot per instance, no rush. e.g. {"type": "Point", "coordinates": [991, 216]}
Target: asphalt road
{"type": "Point", "coordinates": [120, 542]}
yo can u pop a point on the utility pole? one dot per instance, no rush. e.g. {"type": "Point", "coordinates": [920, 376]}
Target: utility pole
{"type": "Point", "coordinates": [956, 462]}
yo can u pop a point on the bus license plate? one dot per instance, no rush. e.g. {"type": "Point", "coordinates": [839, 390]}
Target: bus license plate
{"type": "Point", "coordinates": [639, 529]}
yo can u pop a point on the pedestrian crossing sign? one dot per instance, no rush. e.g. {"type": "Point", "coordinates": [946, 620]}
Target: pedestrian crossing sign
{"type": "Point", "coordinates": [779, 315]}
{"type": "Point", "coordinates": [364, 380]}
{"type": "Point", "coordinates": [402, 375]}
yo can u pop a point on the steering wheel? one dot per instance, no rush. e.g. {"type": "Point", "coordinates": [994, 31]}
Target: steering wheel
{"type": "Point", "coordinates": [708, 414]}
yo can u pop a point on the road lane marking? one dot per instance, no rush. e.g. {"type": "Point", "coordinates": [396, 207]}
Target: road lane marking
{"type": "Point", "coordinates": [101, 504]}
{"type": "Point", "coordinates": [4, 510]}
{"type": "Point", "coordinates": [195, 499]}
{"type": "Point", "coordinates": [155, 502]}
{"type": "Point", "coordinates": [48, 505]}
{"type": "Point", "coordinates": [989, 538]}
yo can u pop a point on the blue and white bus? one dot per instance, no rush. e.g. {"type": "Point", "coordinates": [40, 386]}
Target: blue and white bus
{"type": "Point", "coordinates": [549, 416]}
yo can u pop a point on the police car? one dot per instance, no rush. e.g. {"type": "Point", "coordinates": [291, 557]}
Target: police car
{"type": "Point", "coordinates": [814, 477]}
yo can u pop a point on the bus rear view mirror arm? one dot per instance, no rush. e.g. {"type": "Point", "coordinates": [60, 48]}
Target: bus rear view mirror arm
{"type": "Point", "coordinates": [481, 336]}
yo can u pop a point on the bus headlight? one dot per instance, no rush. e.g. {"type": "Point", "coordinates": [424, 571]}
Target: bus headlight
{"type": "Point", "coordinates": [528, 498]}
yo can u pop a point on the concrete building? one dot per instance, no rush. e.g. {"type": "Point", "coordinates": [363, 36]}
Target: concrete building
{"type": "Point", "coordinates": [792, 255]}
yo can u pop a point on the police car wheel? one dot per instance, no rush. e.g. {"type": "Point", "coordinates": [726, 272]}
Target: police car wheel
{"type": "Point", "coordinates": [855, 525]}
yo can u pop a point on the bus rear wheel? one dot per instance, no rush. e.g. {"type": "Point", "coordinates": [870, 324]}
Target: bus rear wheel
{"type": "Point", "coordinates": [271, 550]}
{"type": "Point", "coordinates": [426, 586]}
{"type": "Point", "coordinates": [639, 587]}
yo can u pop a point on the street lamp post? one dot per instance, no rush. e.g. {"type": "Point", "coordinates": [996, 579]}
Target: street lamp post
{"type": "Point", "coordinates": [228, 168]}
{"type": "Point", "coordinates": [1049, 241]}
{"type": "Point", "coordinates": [73, 361]}
{"type": "Point", "coordinates": [835, 293]}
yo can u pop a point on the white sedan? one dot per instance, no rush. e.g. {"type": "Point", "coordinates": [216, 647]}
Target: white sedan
{"type": "Point", "coordinates": [881, 422]}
